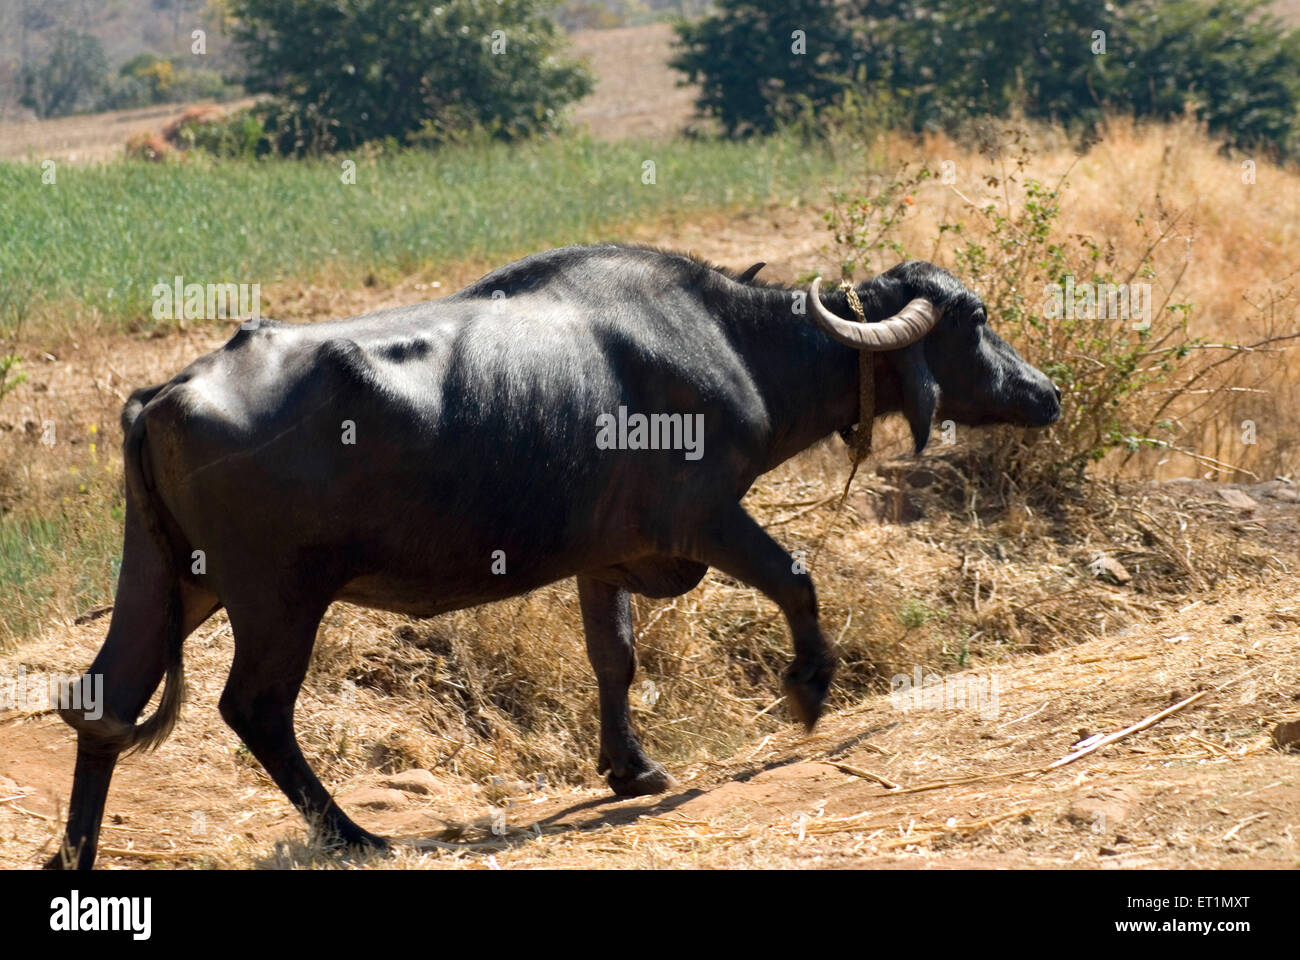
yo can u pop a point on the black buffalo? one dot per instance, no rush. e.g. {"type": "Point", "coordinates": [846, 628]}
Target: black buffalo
{"type": "Point", "coordinates": [438, 456]}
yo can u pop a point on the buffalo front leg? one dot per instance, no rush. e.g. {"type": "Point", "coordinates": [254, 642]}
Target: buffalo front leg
{"type": "Point", "coordinates": [733, 542]}
{"type": "Point", "coordinates": [607, 622]}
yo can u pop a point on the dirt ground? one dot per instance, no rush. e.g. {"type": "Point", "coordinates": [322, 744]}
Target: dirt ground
{"type": "Point", "coordinates": [637, 94]}
{"type": "Point", "coordinates": [1204, 788]}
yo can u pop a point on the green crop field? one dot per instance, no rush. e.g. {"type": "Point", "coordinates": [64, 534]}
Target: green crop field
{"type": "Point", "coordinates": [95, 241]}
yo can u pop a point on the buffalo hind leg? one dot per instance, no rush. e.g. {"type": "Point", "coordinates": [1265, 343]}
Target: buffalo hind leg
{"type": "Point", "coordinates": [733, 542]}
{"type": "Point", "coordinates": [125, 674]}
{"type": "Point", "coordinates": [272, 651]}
{"type": "Point", "coordinates": [607, 623]}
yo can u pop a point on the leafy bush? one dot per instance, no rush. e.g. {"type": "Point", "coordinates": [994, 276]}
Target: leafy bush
{"type": "Point", "coordinates": [74, 78]}
{"type": "Point", "coordinates": [346, 74]}
{"type": "Point", "coordinates": [1232, 60]}
{"type": "Point", "coordinates": [241, 134]}
{"type": "Point", "coordinates": [941, 62]}
{"type": "Point", "coordinates": [147, 79]}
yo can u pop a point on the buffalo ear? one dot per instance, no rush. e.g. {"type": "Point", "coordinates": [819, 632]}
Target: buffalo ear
{"type": "Point", "coordinates": [920, 392]}
{"type": "Point", "coordinates": [752, 272]}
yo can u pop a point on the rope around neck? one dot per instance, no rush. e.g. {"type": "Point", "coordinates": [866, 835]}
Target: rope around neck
{"type": "Point", "coordinates": [860, 444]}
{"type": "Point", "coordinates": [859, 440]}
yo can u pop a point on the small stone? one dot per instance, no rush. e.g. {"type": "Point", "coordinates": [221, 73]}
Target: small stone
{"type": "Point", "coordinates": [412, 781]}
{"type": "Point", "coordinates": [1236, 498]}
{"type": "Point", "coordinates": [1109, 569]}
{"type": "Point", "coordinates": [374, 798]}
{"type": "Point", "coordinates": [1103, 806]}
{"type": "Point", "coordinates": [502, 789]}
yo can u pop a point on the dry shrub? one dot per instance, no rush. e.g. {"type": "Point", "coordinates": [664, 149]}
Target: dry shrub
{"type": "Point", "coordinates": [148, 146]}
{"type": "Point", "coordinates": [1198, 386]}
{"type": "Point", "coordinates": [175, 132]}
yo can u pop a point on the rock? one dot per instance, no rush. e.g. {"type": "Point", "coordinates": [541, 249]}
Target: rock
{"type": "Point", "coordinates": [1286, 494]}
{"type": "Point", "coordinates": [374, 798]}
{"type": "Point", "coordinates": [1103, 807]}
{"type": "Point", "coordinates": [412, 781]}
{"type": "Point", "coordinates": [1286, 736]}
{"type": "Point", "coordinates": [1108, 569]}
{"type": "Point", "coordinates": [1236, 498]}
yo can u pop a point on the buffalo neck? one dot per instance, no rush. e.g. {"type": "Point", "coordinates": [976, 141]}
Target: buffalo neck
{"type": "Point", "coordinates": [809, 382]}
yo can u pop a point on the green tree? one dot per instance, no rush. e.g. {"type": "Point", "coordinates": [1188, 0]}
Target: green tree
{"type": "Point", "coordinates": [940, 62]}
{"type": "Point", "coordinates": [1036, 55]}
{"type": "Point", "coordinates": [1234, 62]}
{"type": "Point", "coordinates": [759, 61]}
{"type": "Point", "coordinates": [71, 78]}
{"type": "Point", "coordinates": [351, 71]}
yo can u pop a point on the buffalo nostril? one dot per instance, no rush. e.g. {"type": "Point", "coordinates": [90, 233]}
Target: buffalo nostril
{"type": "Point", "coordinates": [1058, 391]}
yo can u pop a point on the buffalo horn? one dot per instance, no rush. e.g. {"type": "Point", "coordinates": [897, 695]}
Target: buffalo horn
{"type": "Point", "coordinates": [904, 328]}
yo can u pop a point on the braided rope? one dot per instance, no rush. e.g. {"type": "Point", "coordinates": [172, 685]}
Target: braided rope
{"type": "Point", "coordinates": [860, 438]}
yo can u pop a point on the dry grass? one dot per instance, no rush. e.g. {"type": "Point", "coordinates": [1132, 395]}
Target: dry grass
{"type": "Point", "coordinates": [1162, 201]}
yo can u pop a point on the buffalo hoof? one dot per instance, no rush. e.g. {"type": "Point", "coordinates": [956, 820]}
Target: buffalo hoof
{"type": "Point", "coordinates": [806, 685]}
{"type": "Point", "coordinates": [65, 859]}
{"type": "Point", "coordinates": [652, 778]}
{"type": "Point", "coordinates": [349, 838]}
{"type": "Point", "coordinates": [367, 843]}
